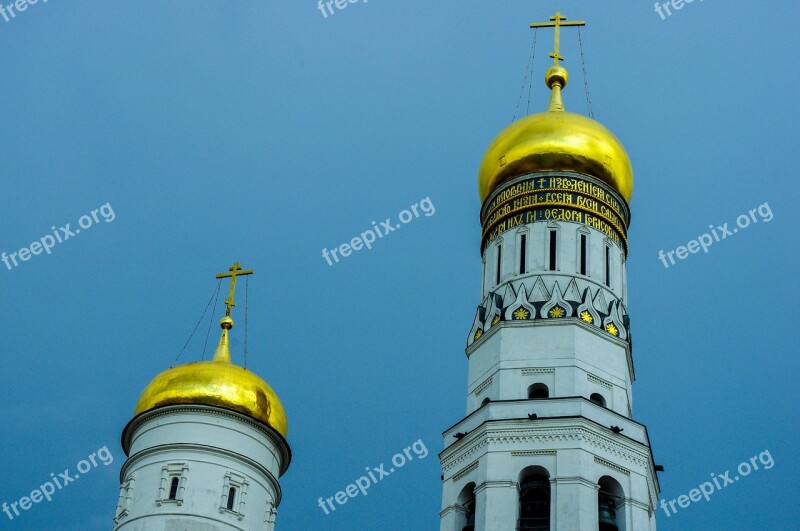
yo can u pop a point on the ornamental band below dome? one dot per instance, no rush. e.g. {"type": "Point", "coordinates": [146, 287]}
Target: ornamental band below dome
{"type": "Point", "coordinates": [581, 185]}
{"type": "Point", "coordinates": [573, 197]}
{"type": "Point", "coordinates": [547, 198]}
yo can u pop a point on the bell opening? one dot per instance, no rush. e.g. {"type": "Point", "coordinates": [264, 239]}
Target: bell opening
{"type": "Point", "coordinates": [534, 505]}
{"type": "Point", "coordinates": [607, 511]}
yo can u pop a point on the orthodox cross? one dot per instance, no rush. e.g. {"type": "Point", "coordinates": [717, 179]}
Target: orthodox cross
{"type": "Point", "coordinates": [557, 22]}
{"type": "Point", "coordinates": [233, 272]}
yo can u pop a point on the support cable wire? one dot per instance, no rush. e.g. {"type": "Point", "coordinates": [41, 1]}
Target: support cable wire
{"type": "Point", "coordinates": [211, 320]}
{"type": "Point", "coordinates": [213, 293]}
{"type": "Point", "coordinates": [246, 291]}
{"type": "Point", "coordinates": [530, 77]}
{"type": "Point", "coordinates": [585, 78]}
{"type": "Point", "coordinates": [524, 79]}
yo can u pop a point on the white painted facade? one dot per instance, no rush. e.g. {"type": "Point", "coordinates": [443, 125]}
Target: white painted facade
{"type": "Point", "coordinates": [185, 462]}
{"type": "Point", "coordinates": [586, 372]}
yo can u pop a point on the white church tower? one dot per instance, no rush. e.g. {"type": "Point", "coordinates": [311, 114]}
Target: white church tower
{"type": "Point", "coordinates": [205, 448]}
{"type": "Point", "coordinates": [548, 442]}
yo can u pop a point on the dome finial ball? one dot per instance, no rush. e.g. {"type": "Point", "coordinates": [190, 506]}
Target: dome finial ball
{"type": "Point", "coordinates": [556, 74]}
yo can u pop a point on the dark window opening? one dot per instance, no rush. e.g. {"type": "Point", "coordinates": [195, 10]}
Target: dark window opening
{"type": "Point", "coordinates": [597, 398]}
{"type": "Point", "coordinates": [607, 511]}
{"type": "Point", "coordinates": [173, 489]}
{"type": "Point", "coordinates": [553, 237]}
{"type": "Point", "coordinates": [538, 390]}
{"type": "Point", "coordinates": [608, 266]}
{"type": "Point", "coordinates": [534, 501]}
{"type": "Point", "coordinates": [522, 251]}
{"type": "Point", "coordinates": [499, 262]}
{"type": "Point", "coordinates": [469, 510]}
{"type": "Point", "coordinates": [231, 498]}
{"type": "Point", "coordinates": [583, 254]}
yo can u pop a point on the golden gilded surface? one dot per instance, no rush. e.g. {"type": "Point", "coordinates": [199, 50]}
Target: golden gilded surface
{"type": "Point", "coordinates": [556, 140]}
{"type": "Point", "coordinates": [216, 383]}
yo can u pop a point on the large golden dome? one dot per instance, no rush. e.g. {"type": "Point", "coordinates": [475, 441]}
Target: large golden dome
{"type": "Point", "coordinates": [556, 140]}
{"type": "Point", "coordinates": [216, 383]}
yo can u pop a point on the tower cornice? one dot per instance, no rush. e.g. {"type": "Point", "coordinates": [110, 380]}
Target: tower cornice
{"type": "Point", "coordinates": [556, 433]}
{"type": "Point", "coordinates": [200, 409]}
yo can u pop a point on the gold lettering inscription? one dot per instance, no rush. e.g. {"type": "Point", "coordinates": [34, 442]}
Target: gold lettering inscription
{"type": "Point", "coordinates": [587, 195]}
{"type": "Point", "coordinates": [558, 214]}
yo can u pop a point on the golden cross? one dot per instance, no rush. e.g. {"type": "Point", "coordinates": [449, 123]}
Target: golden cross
{"type": "Point", "coordinates": [557, 22]}
{"type": "Point", "coordinates": [235, 271]}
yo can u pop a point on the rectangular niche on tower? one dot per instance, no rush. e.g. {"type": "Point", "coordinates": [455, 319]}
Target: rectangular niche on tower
{"type": "Point", "coordinates": [173, 483]}
{"type": "Point", "coordinates": [234, 490]}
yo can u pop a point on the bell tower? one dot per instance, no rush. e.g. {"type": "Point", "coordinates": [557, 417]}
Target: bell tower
{"type": "Point", "coordinates": [548, 442]}
{"type": "Point", "coordinates": [206, 446]}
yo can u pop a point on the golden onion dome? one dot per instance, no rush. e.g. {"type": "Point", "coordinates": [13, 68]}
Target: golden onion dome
{"type": "Point", "coordinates": [216, 383]}
{"type": "Point", "coordinates": [556, 140]}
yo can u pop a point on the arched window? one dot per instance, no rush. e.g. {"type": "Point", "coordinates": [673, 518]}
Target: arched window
{"type": "Point", "coordinates": [598, 399]}
{"type": "Point", "coordinates": [173, 483]}
{"type": "Point", "coordinates": [538, 390]}
{"type": "Point", "coordinates": [486, 401]}
{"type": "Point", "coordinates": [583, 246]}
{"type": "Point", "coordinates": [611, 505]}
{"type": "Point", "coordinates": [485, 273]}
{"type": "Point", "coordinates": [499, 263]}
{"type": "Point", "coordinates": [553, 258]}
{"type": "Point", "coordinates": [231, 498]}
{"type": "Point", "coordinates": [233, 493]}
{"type": "Point", "coordinates": [467, 502]}
{"type": "Point", "coordinates": [523, 251]}
{"type": "Point", "coordinates": [173, 488]}
{"type": "Point", "coordinates": [534, 500]}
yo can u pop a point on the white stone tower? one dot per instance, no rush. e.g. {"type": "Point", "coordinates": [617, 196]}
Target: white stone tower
{"type": "Point", "coordinates": [548, 442]}
{"type": "Point", "coordinates": [205, 448]}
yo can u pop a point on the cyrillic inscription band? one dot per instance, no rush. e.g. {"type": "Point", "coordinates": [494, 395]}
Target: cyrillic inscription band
{"type": "Point", "coordinates": [544, 199]}
{"type": "Point", "coordinates": [557, 185]}
{"type": "Point", "coordinates": [556, 198]}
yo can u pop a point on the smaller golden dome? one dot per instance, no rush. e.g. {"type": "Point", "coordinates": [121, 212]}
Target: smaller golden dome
{"type": "Point", "coordinates": [216, 383]}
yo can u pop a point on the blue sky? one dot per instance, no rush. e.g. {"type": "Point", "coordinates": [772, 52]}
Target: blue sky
{"type": "Point", "coordinates": [263, 132]}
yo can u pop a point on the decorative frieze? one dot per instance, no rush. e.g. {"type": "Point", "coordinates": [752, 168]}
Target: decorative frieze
{"type": "Point", "coordinates": [540, 301]}
{"type": "Point", "coordinates": [486, 383]}
{"type": "Point", "coordinates": [599, 381]}
{"type": "Point", "coordinates": [612, 466]}
{"type": "Point", "coordinates": [530, 371]}
{"type": "Point", "coordinates": [534, 453]}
